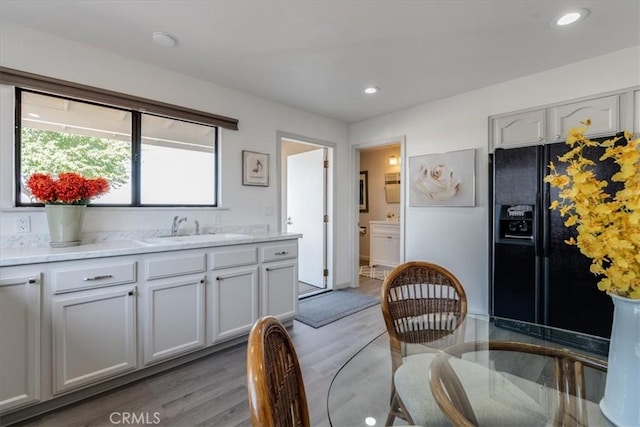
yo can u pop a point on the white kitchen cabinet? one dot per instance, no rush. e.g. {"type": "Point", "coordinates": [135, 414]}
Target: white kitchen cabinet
{"type": "Point", "coordinates": [249, 281]}
{"type": "Point", "coordinates": [384, 243]}
{"type": "Point", "coordinates": [172, 301]}
{"type": "Point", "coordinates": [174, 317]}
{"type": "Point", "coordinates": [234, 301]}
{"type": "Point", "coordinates": [20, 293]}
{"type": "Point", "coordinates": [518, 129]}
{"type": "Point", "coordinates": [94, 336]}
{"type": "Point", "coordinates": [604, 114]}
{"type": "Point", "coordinates": [101, 319]}
{"type": "Point", "coordinates": [279, 279]}
{"type": "Point", "coordinates": [279, 289]}
{"type": "Point", "coordinates": [233, 297]}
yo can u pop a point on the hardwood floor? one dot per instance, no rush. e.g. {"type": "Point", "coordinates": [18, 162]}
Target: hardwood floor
{"type": "Point", "coordinates": [212, 391]}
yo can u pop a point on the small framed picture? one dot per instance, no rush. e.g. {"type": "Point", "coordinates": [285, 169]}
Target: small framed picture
{"type": "Point", "coordinates": [364, 191]}
{"type": "Point", "coordinates": [255, 168]}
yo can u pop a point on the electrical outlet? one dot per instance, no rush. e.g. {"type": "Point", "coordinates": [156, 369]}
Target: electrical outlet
{"type": "Point", "coordinates": [23, 224]}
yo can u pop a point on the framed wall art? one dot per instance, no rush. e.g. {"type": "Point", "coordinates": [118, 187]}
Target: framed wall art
{"type": "Point", "coordinates": [255, 168]}
{"type": "Point", "coordinates": [364, 191]}
{"type": "Point", "coordinates": [443, 179]}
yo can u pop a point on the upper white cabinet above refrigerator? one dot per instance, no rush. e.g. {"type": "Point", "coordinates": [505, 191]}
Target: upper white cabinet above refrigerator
{"type": "Point", "coordinates": [603, 112]}
{"type": "Point", "coordinates": [518, 129]}
{"type": "Point", "coordinates": [609, 114]}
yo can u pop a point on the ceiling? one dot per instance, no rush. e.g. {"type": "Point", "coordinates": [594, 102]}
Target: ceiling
{"type": "Point", "coordinates": [320, 55]}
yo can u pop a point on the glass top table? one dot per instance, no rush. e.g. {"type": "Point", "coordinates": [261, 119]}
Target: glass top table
{"type": "Point", "coordinates": [359, 394]}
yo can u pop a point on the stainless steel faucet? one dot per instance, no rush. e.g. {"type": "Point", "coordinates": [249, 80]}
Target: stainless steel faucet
{"type": "Point", "coordinates": [197, 224]}
{"type": "Point", "coordinates": [176, 223]}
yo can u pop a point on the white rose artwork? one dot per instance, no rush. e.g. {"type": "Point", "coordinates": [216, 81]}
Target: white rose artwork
{"type": "Point", "coordinates": [437, 182]}
{"type": "Point", "coordinates": [445, 179]}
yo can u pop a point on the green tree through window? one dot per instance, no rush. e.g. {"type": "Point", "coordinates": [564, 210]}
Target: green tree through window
{"type": "Point", "coordinates": [55, 152]}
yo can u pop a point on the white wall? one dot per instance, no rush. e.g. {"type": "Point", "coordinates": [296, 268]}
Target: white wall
{"type": "Point", "coordinates": [457, 238]}
{"type": "Point", "coordinates": [36, 52]}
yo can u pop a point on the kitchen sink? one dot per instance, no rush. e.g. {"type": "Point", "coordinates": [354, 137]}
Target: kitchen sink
{"type": "Point", "coordinates": [199, 238]}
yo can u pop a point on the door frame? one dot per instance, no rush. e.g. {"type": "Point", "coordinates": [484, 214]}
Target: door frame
{"type": "Point", "coordinates": [354, 197]}
{"type": "Point", "coordinates": [331, 194]}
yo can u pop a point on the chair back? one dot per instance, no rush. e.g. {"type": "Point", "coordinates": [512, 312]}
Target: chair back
{"type": "Point", "coordinates": [569, 408]}
{"type": "Point", "coordinates": [276, 391]}
{"type": "Point", "coordinates": [421, 303]}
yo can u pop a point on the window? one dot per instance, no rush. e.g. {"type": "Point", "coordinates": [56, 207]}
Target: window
{"type": "Point", "coordinates": [187, 150]}
{"type": "Point", "coordinates": [150, 160]}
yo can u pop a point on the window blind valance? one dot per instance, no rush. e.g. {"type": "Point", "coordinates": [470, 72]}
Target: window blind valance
{"type": "Point", "coordinates": [88, 93]}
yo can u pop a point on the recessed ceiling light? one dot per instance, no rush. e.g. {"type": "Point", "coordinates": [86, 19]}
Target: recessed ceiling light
{"type": "Point", "coordinates": [371, 90]}
{"type": "Point", "coordinates": [572, 17]}
{"type": "Point", "coordinates": [164, 39]}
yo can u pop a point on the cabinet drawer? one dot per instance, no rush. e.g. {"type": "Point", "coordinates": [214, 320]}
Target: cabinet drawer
{"type": "Point", "coordinates": [234, 257]}
{"type": "Point", "coordinates": [93, 276]}
{"type": "Point", "coordinates": [158, 268]}
{"type": "Point", "coordinates": [277, 252]}
{"type": "Point", "coordinates": [386, 229]}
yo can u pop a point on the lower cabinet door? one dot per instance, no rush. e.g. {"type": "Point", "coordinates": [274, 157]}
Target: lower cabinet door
{"type": "Point", "coordinates": [19, 340]}
{"type": "Point", "coordinates": [279, 289]}
{"type": "Point", "coordinates": [94, 336]}
{"type": "Point", "coordinates": [234, 302]}
{"type": "Point", "coordinates": [174, 317]}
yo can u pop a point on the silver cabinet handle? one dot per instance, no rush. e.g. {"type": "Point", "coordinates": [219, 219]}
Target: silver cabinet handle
{"type": "Point", "coordinates": [106, 276]}
{"type": "Point", "coordinates": [281, 253]}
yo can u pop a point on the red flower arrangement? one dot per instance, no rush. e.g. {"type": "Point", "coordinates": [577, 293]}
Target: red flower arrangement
{"type": "Point", "coordinates": [69, 188]}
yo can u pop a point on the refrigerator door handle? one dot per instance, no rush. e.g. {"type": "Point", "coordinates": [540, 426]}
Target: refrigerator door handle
{"type": "Point", "coordinates": [538, 226]}
{"type": "Point", "coordinates": [546, 223]}
{"type": "Point", "coordinates": [545, 294]}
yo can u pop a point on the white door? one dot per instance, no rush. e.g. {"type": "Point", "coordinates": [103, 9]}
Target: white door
{"type": "Point", "coordinates": [306, 209]}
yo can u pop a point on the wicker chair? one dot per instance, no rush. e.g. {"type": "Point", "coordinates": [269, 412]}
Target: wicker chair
{"type": "Point", "coordinates": [274, 380]}
{"type": "Point", "coordinates": [421, 303]}
{"type": "Point", "coordinates": [568, 388]}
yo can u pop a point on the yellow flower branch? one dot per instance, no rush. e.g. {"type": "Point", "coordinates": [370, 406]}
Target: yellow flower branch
{"type": "Point", "coordinates": [608, 227]}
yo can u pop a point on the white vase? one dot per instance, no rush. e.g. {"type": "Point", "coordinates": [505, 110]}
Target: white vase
{"type": "Point", "coordinates": [621, 401]}
{"type": "Point", "coordinates": [65, 224]}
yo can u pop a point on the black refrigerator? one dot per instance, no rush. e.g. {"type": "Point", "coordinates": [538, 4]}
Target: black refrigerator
{"type": "Point", "coordinates": [535, 276]}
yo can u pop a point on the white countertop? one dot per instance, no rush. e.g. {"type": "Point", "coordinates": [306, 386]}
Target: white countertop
{"type": "Point", "coordinates": [42, 254]}
{"type": "Point", "coordinates": [390, 222]}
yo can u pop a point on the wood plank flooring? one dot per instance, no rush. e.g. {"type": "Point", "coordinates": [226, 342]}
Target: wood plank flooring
{"type": "Point", "coordinates": [212, 391]}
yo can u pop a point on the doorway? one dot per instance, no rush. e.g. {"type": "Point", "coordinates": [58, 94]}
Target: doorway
{"type": "Point", "coordinates": [379, 216]}
{"type": "Point", "coordinates": [306, 199]}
